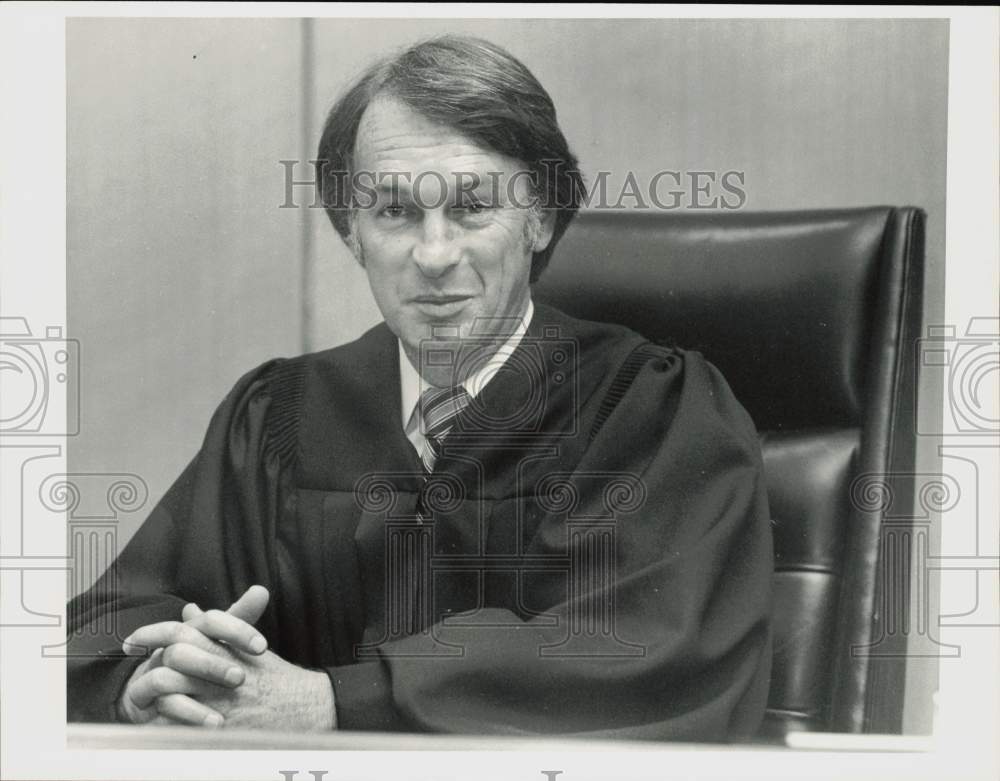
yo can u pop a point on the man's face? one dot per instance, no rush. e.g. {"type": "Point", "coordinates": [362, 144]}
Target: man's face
{"type": "Point", "coordinates": [439, 254]}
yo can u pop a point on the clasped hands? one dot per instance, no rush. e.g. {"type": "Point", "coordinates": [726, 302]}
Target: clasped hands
{"type": "Point", "coordinates": [213, 668]}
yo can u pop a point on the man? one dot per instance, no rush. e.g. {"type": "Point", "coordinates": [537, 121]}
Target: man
{"type": "Point", "coordinates": [482, 516]}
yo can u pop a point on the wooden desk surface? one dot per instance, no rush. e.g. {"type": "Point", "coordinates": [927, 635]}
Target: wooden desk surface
{"type": "Point", "coordinates": [117, 736]}
{"type": "Point", "coordinates": [121, 736]}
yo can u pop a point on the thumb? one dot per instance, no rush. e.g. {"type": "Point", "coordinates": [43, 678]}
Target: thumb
{"type": "Point", "coordinates": [250, 607]}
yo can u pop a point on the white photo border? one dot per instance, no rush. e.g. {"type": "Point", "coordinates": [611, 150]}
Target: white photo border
{"type": "Point", "coordinates": [33, 256]}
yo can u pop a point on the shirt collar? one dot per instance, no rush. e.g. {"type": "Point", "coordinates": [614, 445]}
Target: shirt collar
{"type": "Point", "coordinates": [412, 384]}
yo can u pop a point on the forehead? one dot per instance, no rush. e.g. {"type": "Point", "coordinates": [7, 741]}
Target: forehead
{"type": "Point", "coordinates": [392, 136]}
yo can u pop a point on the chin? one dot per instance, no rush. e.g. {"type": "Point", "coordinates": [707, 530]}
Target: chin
{"type": "Point", "coordinates": [462, 321]}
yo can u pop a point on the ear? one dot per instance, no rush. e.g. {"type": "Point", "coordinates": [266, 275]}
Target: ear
{"type": "Point", "coordinates": [546, 228]}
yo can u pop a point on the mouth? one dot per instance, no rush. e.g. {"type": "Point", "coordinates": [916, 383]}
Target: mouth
{"type": "Point", "coordinates": [439, 305]}
{"type": "Point", "coordinates": [439, 298]}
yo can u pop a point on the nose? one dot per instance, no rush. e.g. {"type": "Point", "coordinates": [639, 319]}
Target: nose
{"type": "Point", "coordinates": [436, 250]}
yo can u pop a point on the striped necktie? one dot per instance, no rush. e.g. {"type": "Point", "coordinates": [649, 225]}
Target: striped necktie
{"type": "Point", "coordinates": [438, 408]}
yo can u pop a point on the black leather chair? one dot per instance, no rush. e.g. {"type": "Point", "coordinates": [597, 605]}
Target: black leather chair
{"type": "Point", "coordinates": [812, 317]}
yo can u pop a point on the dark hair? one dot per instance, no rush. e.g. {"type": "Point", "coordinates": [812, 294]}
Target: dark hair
{"type": "Point", "coordinates": [475, 88]}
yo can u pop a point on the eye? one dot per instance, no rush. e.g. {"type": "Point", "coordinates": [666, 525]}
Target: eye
{"type": "Point", "coordinates": [392, 211]}
{"type": "Point", "coordinates": [474, 208]}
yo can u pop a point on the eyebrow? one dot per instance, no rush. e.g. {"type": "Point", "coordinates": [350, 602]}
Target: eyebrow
{"type": "Point", "coordinates": [404, 188]}
{"type": "Point", "coordinates": [390, 187]}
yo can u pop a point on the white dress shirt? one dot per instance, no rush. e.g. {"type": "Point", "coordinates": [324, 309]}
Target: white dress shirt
{"type": "Point", "coordinates": [412, 385]}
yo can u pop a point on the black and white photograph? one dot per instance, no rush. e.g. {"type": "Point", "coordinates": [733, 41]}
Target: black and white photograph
{"type": "Point", "coordinates": [600, 391]}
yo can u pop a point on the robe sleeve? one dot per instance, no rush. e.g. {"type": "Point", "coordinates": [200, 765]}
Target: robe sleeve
{"type": "Point", "coordinates": [691, 589]}
{"type": "Point", "coordinates": [206, 541]}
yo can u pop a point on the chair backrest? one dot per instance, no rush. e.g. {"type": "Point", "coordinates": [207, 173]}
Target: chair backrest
{"type": "Point", "coordinates": [811, 316]}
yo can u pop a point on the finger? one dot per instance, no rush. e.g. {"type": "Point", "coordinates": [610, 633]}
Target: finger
{"type": "Point", "coordinates": [182, 708]}
{"type": "Point", "coordinates": [141, 716]}
{"type": "Point", "coordinates": [229, 629]}
{"type": "Point", "coordinates": [156, 658]}
{"type": "Point", "coordinates": [250, 607]}
{"type": "Point", "coordinates": [156, 683]}
{"type": "Point", "coordinates": [130, 712]}
{"type": "Point", "coordinates": [199, 663]}
{"type": "Point", "coordinates": [125, 709]}
{"type": "Point", "coordinates": [152, 636]}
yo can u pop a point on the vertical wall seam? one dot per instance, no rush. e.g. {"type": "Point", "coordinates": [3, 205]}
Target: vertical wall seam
{"type": "Point", "coordinates": [305, 223]}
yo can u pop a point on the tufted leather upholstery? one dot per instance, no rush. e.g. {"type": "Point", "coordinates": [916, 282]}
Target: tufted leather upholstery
{"type": "Point", "coordinates": [808, 315]}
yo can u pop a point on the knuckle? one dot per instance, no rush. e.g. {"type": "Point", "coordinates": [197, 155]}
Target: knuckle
{"type": "Point", "coordinates": [170, 654]}
{"type": "Point", "coordinates": [173, 628]}
{"type": "Point", "coordinates": [189, 635]}
{"type": "Point", "coordinates": [161, 679]}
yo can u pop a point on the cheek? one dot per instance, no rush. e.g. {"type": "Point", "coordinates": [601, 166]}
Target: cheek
{"type": "Point", "coordinates": [503, 247]}
{"type": "Point", "coordinates": [383, 277]}
{"type": "Point", "coordinates": [384, 257]}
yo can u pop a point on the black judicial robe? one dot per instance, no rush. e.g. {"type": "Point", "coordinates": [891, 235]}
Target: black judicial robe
{"type": "Point", "coordinates": [593, 555]}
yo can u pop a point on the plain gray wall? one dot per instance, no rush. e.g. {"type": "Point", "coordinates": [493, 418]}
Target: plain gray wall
{"type": "Point", "coordinates": [184, 273]}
